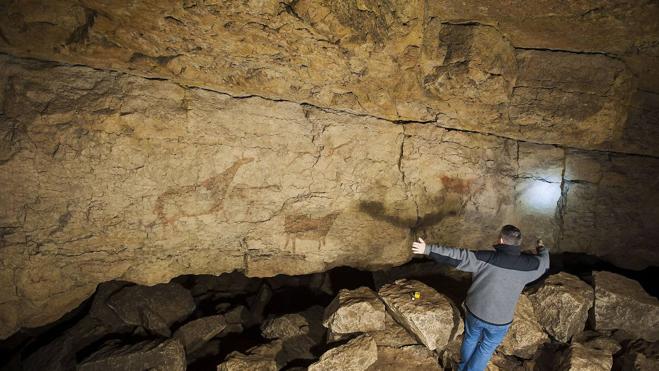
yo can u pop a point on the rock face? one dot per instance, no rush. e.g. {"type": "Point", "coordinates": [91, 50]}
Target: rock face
{"type": "Point", "coordinates": [621, 303]}
{"type": "Point", "coordinates": [351, 311]}
{"type": "Point", "coordinates": [145, 140]}
{"type": "Point", "coordinates": [357, 354]}
{"type": "Point", "coordinates": [150, 354]}
{"type": "Point", "coordinates": [432, 318]}
{"type": "Point", "coordinates": [562, 304]}
{"type": "Point", "coordinates": [525, 334]}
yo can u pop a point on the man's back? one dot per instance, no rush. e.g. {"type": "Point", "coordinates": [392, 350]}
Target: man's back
{"type": "Point", "coordinates": [498, 277]}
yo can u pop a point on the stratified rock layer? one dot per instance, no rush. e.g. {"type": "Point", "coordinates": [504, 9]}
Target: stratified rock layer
{"type": "Point", "coordinates": [561, 305]}
{"type": "Point", "coordinates": [621, 303]}
{"type": "Point", "coordinates": [432, 317]}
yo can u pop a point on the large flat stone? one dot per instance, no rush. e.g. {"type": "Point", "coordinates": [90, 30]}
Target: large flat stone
{"type": "Point", "coordinates": [432, 318]}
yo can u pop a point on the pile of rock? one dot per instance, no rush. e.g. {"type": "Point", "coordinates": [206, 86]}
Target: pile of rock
{"type": "Point", "coordinates": [562, 323]}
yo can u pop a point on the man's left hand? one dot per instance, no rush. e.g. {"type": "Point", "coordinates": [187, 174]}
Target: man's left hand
{"type": "Point", "coordinates": [419, 247]}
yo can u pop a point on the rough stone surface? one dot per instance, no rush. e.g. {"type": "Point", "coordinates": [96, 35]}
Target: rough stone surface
{"type": "Point", "coordinates": [358, 310]}
{"type": "Point", "coordinates": [638, 356]}
{"type": "Point", "coordinates": [562, 304]}
{"type": "Point", "coordinates": [291, 137]}
{"type": "Point", "coordinates": [147, 355]}
{"type": "Point", "coordinates": [60, 353]}
{"type": "Point", "coordinates": [525, 333]}
{"type": "Point", "coordinates": [581, 358]}
{"type": "Point", "coordinates": [357, 354]}
{"type": "Point", "coordinates": [432, 318]}
{"type": "Point", "coordinates": [621, 303]}
{"type": "Point", "coordinates": [471, 65]}
{"type": "Point", "coordinates": [259, 358]}
{"type": "Point", "coordinates": [155, 308]}
{"type": "Point", "coordinates": [285, 326]}
{"type": "Point", "coordinates": [393, 335]}
{"type": "Point", "coordinates": [298, 332]}
{"type": "Point", "coordinates": [194, 334]}
{"type": "Point", "coordinates": [412, 357]}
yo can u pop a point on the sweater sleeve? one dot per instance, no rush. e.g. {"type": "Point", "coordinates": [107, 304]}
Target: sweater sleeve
{"type": "Point", "coordinates": [462, 259]}
{"type": "Point", "coordinates": [543, 255]}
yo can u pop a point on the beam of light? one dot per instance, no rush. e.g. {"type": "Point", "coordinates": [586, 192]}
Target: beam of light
{"type": "Point", "coordinates": [540, 196]}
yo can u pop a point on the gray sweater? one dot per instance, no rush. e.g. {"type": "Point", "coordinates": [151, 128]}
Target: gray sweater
{"type": "Point", "coordinates": [498, 278]}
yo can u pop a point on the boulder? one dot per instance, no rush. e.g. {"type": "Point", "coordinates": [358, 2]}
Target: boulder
{"type": "Point", "coordinates": [561, 304]}
{"type": "Point", "coordinates": [155, 308]}
{"type": "Point", "coordinates": [499, 362]}
{"type": "Point", "coordinates": [299, 333]}
{"type": "Point", "coordinates": [146, 355]}
{"type": "Point", "coordinates": [60, 353]}
{"type": "Point", "coordinates": [237, 318]}
{"type": "Point", "coordinates": [525, 333]}
{"type": "Point", "coordinates": [358, 310]}
{"type": "Point", "coordinates": [393, 334]}
{"type": "Point", "coordinates": [357, 354]}
{"type": "Point", "coordinates": [581, 358]}
{"type": "Point", "coordinates": [194, 334]}
{"type": "Point", "coordinates": [258, 358]}
{"type": "Point", "coordinates": [432, 318]}
{"type": "Point", "coordinates": [285, 326]}
{"type": "Point", "coordinates": [596, 340]}
{"type": "Point", "coordinates": [412, 357]}
{"type": "Point", "coordinates": [621, 303]}
{"type": "Point", "coordinates": [100, 310]}
{"type": "Point", "coordinates": [257, 303]}
{"type": "Point", "coordinates": [638, 355]}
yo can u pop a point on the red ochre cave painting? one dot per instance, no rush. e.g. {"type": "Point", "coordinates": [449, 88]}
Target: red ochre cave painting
{"type": "Point", "coordinates": [202, 198]}
{"type": "Point", "coordinates": [305, 227]}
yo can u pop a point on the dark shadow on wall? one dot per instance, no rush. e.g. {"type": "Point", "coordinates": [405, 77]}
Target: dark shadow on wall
{"type": "Point", "coordinates": [377, 211]}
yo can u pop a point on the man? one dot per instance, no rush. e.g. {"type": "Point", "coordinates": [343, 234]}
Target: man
{"type": "Point", "coordinates": [497, 281]}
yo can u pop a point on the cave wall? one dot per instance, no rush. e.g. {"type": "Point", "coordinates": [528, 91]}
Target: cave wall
{"type": "Point", "coordinates": [144, 140]}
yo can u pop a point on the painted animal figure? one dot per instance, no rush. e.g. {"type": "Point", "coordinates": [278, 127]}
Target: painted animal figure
{"type": "Point", "coordinates": [307, 228]}
{"type": "Point", "coordinates": [202, 198]}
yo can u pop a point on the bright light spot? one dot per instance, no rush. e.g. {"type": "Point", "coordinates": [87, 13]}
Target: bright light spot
{"type": "Point", "coordinates": [540, 196]}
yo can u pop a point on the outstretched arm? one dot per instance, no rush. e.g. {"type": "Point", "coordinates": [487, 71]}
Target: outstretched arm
{"type": "Point", "coordinates": [462, 259]}
{"type": "Point", "coordinates": [543, 255]}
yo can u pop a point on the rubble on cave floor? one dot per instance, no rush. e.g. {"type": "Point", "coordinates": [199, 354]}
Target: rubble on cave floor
{"type": "Point", "coordinates": [343, 319]}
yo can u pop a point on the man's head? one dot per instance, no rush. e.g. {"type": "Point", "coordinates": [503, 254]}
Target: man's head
{"type": "Point", "coordinates": [510, 235]}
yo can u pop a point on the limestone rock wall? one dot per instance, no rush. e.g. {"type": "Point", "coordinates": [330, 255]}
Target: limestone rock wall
{"type": "Point", "coordinates": [144, 140]}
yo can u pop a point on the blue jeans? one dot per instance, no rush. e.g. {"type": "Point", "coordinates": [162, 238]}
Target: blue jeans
{"type": "Point", "coordinates": [480, 341]}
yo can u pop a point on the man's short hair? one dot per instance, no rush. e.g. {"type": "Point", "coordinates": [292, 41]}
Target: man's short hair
{"type": "Point", "coordinates": [511, 235]}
